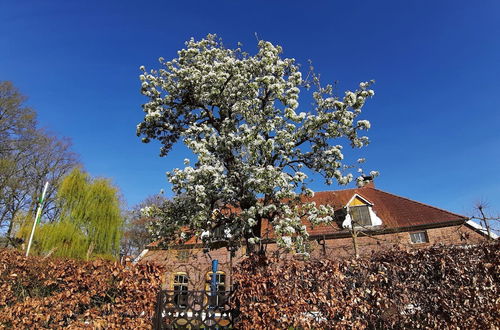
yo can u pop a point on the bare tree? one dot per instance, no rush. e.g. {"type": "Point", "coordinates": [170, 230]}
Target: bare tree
{"type": "Point", "coordinates": [17, 122]}
{"type": "Point", "coordinates": [486, 220]}
{"type": "Point", "coordinates": [51, 162]}
{"type": "Point", "coordinates": [17, 126]}
{"type": "Point", "coordinates": [29, 156]}
{"type": "Point", "coordinates": [135, 233]}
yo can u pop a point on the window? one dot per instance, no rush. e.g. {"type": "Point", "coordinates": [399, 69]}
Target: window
{"type": "Point", "coordinates": [180, 286]}
{"type": "Point", "coordinates": [360, 215]}
{"type": "Point", "coordinates": [220, 277]}
{"type": "Point", "coordinates": [419, 237]}
{"type": "Point", "coordinates": [218, 233]}
{"type": "Point", "coordinates": [183, 255]}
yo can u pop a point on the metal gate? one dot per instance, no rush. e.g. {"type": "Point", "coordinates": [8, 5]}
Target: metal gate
{"type": "Point", "coordinates": [179, 309]}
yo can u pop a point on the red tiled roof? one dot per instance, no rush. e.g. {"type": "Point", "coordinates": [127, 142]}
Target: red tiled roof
{"type": "Point", "coordinates": [394, 211]}
{"type": "Point", "coordinates": [191, 240]}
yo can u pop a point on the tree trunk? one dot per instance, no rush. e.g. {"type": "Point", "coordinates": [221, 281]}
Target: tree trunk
{"type": "Point", "coordinates": [90, 250]}
{"type": "Point", "coordinates": [486, 223]}
{"type": "Point", "coordinates": [50, 252]}
{"type": "Point", "coordinates": [354, 234]}
{"type": "Point", "coordinates": [9, 230]}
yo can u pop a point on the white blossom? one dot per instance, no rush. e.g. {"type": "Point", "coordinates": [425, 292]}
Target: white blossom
{"type": "Point", "coordinates": [253, 240]}
{"type": "Point", "coordinates": [287, 241]}
{"type": "Point", "coordinates": [239, 115]}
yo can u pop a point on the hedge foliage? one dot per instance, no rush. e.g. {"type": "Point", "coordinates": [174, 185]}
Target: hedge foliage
{"type": "Point", "coordinates": [62, 293]}
{"type": "Point", "coordinates": [440, 287]}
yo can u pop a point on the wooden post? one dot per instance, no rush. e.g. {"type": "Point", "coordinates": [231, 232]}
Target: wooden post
{"type": "Point", "coordinates": [354, 234]}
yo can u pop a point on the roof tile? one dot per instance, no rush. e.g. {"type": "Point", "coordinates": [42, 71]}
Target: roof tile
{"type": "Point", "coordinates": [395, 211]}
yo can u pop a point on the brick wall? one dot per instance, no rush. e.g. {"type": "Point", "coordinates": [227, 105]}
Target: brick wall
{"type": "Point", "coordinates": [197, 264]}
{"type": "Point", "coordinates": [343, 247]}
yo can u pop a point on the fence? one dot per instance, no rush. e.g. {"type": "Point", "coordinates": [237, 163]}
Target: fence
{"type": "Point", "coordinates": [194, 310]}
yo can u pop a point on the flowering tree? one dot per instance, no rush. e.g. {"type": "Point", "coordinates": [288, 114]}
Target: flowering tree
{"type": "Point", "coordinates": [238, 114]}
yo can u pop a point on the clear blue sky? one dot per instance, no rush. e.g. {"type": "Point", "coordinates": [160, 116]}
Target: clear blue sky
{"type": "Point", "coordinates": [435, 115]}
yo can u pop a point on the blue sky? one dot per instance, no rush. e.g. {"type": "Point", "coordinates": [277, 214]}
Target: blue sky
{"type": "Point", "coordinates": [435, 115]}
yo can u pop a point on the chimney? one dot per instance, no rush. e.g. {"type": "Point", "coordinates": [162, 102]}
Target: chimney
{"type": "Point", "coordinates": [368, 181]}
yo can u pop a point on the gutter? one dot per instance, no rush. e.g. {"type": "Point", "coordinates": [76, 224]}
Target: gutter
{"type": "Point", "coordinates": [384, 231]}
{"type": "Point", "coordinates": [480, 229]}
{"type": "Point", "coordinates": [347, 234]}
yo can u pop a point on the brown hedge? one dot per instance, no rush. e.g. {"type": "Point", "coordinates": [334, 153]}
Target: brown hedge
{"type": "Point", "coordinates": [439, 287]}
{"type": "Point", "coordinates": [57, 293]}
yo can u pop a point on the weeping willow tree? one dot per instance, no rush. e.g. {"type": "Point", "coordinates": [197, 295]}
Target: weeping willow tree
{"type": "Point", "coordinates": [104, 220]}
{"type": "Point", "coordinates": [62, 239]}
{"type": "Point", "coordinates": [90, 222]}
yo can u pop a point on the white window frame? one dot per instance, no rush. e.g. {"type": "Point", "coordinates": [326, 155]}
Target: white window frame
{"type": "Point", "coordinates": [419, 237]}
{"type": "Point", "coordinates": [374, 219]}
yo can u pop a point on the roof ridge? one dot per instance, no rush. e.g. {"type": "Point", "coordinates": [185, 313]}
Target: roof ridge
{"type": "Point", "coordinates": [417, 202]}
{"type": "Point", "coordinates": [333, 191]}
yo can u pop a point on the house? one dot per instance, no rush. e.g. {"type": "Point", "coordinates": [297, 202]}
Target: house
{"type": "Point", "coordinates": [384, 220]}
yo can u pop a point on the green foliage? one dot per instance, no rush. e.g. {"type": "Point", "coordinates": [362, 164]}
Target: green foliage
{"type": "Point", "coordinates": [104, 216]}
{"type": "Point", "coordinates": [91, 220]}
{"type": "Point", "coordinates": [64, 239]}
{"type": "Point", "coordinates": [72, 195]}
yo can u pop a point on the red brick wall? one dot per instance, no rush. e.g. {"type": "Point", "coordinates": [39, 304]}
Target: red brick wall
{"type": "Point", "coordinates": [343, 247]}
{"type": "Point", "coordinates": [200, 263]}
{"type": "Point", "coordinates": [196, 266]}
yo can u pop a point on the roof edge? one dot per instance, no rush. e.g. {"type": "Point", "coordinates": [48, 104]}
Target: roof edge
{"type": "Point", "coordinates": [414, 201]}
{"type": "Point", "coordinates": [480, 229]}
{"type": "Point", "coordinates": [341, 234]}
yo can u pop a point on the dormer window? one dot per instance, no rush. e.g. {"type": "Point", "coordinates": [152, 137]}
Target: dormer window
{"type": "Point", "coordinates": [360, 215]}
